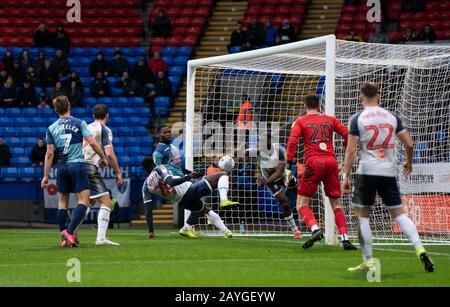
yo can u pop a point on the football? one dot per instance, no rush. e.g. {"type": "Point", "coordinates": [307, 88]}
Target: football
{"type": "Point", "coordinates": [226, 163]}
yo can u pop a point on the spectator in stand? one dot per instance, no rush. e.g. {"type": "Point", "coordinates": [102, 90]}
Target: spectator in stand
{"type": "Point", "coordinates": [428, 34]}
{"type": "Point", "coordinates": [3, 78]}
{"type": "Point", "coordinates": [44, 100]}
{"type": "Point", "coordinates": [128, 85]}
{"type": "Point", "coordinates": [25, 59]}
{"type": "Point", "coordinates": [59, 90]}
{"type": "Point", "coordinates": [271, 33]}
{"type": "Point", "coordinates": [61, 39]}
{"type": "Point", "coordinates": [247, 46]}
{"type": "Point", "coordinates": [30, 74]}
{"type": "Point", "coordinates": [39, 63]}
{"type": "Point", "coordinates": [17, 72]}
{"type": "Point", "coordinates": [42, 37]}
{"type": "Point", "coordinates": [5, 153]}
{"type": "Point", "coordinates": [100, 86]}
{"type": "Point", "coordinates": [26, 96]}
{"type": "Point", "coordinates": [8, 94]}
{"type": "Point", "coordinates": [73, 77]}
{"type": "Point", "coordinates": [163, 85]}
{"type": "Point", "coordinates": [237, 37]}
{"type": "Point", "coordinates": [157, 64]}
{"type": "Point", "coordinates": [8, 60]}
{"type": "Point", "coordinates": [61, 64]}
{"type": "Point", "coordinates": [99, 65]}
{"type": "Point", "coordinates": [380, 36]}
{"type": "Point", "coordinates": [75, 94]}
{"type": "Point", "coordinates": [47, 76]}
{"type": "Point", "coordinates": [409, 35]}
{"type": "Point", "coordinates": [161, 26]}
{"type": "Point", "coordinates": [143, 76]}
{"type": "Point", "coordinates": [286, 32]}
{"type": "Point", "coordinates": [255, 33]}
{"type": "Point", "coordinates": [37, 154]}
{"type": "Point", "coordinates": [352, 37]}
{"type": "Point", "coordinates": [118, 65]}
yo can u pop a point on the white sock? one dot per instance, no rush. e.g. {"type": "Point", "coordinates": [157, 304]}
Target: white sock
{"type": "Point", "coordinates": [344, 237]}
{"type": "Point", "coordinates": [365, 237]}
{"type": "Point", "coordinates": [223, 186]}
{"type": "Point", "coordinates": [102, 222]}
{"type": "Point", "coordinates": [291, 222]}
{"type": "Point", "coordinates": [217, 221]}
{"type": "Point", "coordinates": [314, 227]}
{"type": "Point", "coordinates": [409, 229]}
{"type": "Point", "coordinates": [186, 227]}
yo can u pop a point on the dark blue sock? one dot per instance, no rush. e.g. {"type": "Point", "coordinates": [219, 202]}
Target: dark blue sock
{"type": "Point", "coordinates": [77, 217]}
{"type": "Point", "coordinates": [148, 208]}
{"type": "Point", "coordinates": [62, 219]}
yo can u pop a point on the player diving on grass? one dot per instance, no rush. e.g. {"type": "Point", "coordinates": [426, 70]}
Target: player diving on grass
{"type": "Point", "coordinates": [275, 177]}
{"type": "Point", "coordinates": [374, 129]}
{"type": "Point", "coordinates": [316, 129]}
{"type": "Point", "coordinates": [181, 190]}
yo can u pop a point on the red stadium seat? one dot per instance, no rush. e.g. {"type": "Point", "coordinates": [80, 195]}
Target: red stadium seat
{"type": "Point", "coordinates": [343, 28]}
{"type": "Point", "coordinates": [178, 31]}
{"type": "Point", "coordinates": [419, 26]}
{"type": "Point", "coordinates": [444, 5]}
{"type": "Point", "coordinates": [436, 24]}
{"type": "Point", "coordinates": [272, 3]}
{"type": "Point", "coordinates": [360, 17]}
{"type": "Point", "coordinates": [189, 41]}
{"type": "Point", "coordinates": [348, 9]}
{"type": "Point", "coordinates": [283, 10]}
{"type": "Point", "coordinates": [186, 12]}
{"type": "Point", "coordinates": [133, 31]}
{"type": "Point", "coordinates": [298, 10]}
{"type": "Point", "coordinates": [252, 11]}
{"type": "Point", "coordinates": [205, 3]}
{"type": "Point", "coordinates": [420, 16]}
{"type": "Point", "coordinates": [405, 25]}
{"type": "Point", "coordinates": [266, 10]}
{"type": "Point", "coordinates": [198, 21]}
{"type": "Point", "coordinates": [174, 41]}
{"type": "Point", "coordinates": [201, 12]}
{"type": "Point", "coordinates": [284, 2]}
{"type": "Point", "coordinates": [433, 16]}
{"type": "Point", "coordinates": [394, 15]}
{"type": "Point", "coordinates": [158, 41]}
{"type": "Point", "coordinates": [395, 37]}
{"type": "Point", "coordinates": [173, 12]}
{"type": "Point", "coordinates": [394, 6]}
{"type": "Point", "coordinates": [432, 6]}
{"type": "Point", "coordinates": [182, 22]}
{"type": "Point", "coordinates": [359, 27]}
{"type": "Point", "coordinates": [346, 18]}
{"type": "Point", "coordinates": [193, 31]}
{"type": "Point", "coordinates": [104, 41]}
{"type": "Point", "coordinates": [406, 17]}
{"type": "Point", "coordinates": [134, 42]}
{"type": "Point", "coordinates": [447, 34]}
{"type": "Point", "coordinates": [446, 24]}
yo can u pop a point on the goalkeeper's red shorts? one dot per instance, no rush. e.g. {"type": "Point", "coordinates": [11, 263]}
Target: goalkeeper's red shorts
{"type": "Point", "coordinates": [320, 169]}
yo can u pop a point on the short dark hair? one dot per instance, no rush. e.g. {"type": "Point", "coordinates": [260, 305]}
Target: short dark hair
{"type": "Point", "coordinates": [369, 90]}
{"type": "Point", "coordinates": [61, 104]}
{"type": "Point", "coordinates": [162, 127]}
{"type": "Point", "coordinates": [148, 164]}
{"type": "Point", "coordinates": [100, 111]}
{"type": "Point", "coordinates": [311, 101]}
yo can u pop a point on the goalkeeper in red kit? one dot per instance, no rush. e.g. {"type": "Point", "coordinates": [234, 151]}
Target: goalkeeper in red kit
{"type": "Point", "coordinates": [316, 129]}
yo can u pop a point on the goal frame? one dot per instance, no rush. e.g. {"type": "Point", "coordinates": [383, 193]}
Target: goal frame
{"type": "Point", "coordinates": [330, 73]}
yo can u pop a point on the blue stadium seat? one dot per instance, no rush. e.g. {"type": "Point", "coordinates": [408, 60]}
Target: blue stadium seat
{"type": "Point", "coordinates": [89, 101]}
{"type": "Point", "coordinates": [168, 51]}
{"type": "Point", "coordinates": [112, 80]}
{"type": "Point", "coordinates": [72, 61]}
{"type": "Point", "coordinates": [121, 101]}
{"type": "Point", "coordinates": [181, 60]}
{"type": "Point", "coordinates": [117, 141]}
{"type": "Point", "coordinates": [176, 71]}
{"type": "Point", "coordinates": [21, 161]}
{"type": "Point", "coordinates": [131, 141]}
{"type": "Point", "coordinates": [77, 52]}
{"type": "Point", "coordinates": [86, 81]}
{"type": "Point", "coordinates": [168, 59]}
{"type": "Point", "coordinates": [9, 174]}
{"type": "Point", "coordinates": [127, 52]}
{"type": "Point", "coordinates": [146, 141]}
{"type": "Point", "coordinates": [25, 131]}
{"type": "Point", "coordinates": [2, 112]}
{"type": "Point", "coordinates": [161, 111]}
{"type": "Point", "coordinates": [118, 121]}
{"type": "Point", "coordinates": [114, 111]}
{"type": "Point", "coordinates": [105, 100]}
{"type": "Point", "coordinates": [140, 131]}
{"type": "Point", "coordinates": [176, 80]}
{"type": "Point", "coordinates": [8, 131]}
{"type": "Point", "coordinates": [87, 119]}
{"type": "Point", "coordinates": [13, 112]}
{"type": "Point", "coordinates": [39, 172]}
{"type": "Point", "coordinates": [30, 112]}
{"type": "Point", "coordinates": [116, 91]}
{"type": "Point", "coordinates": [143, 111]}
{"type": "Point", "coordinates": [162, 101]}
{"type": "Point", "coordinates": [79, 112]}
{"type": "Point", "coordinates": [13, 141]}
{"type": "Point", "coordinates": [184, 51]}
{"type": "Point", "coordinates": [47, 112]}
{"type": "Point", "coordinates": [16, 51]}
{"type": "Point", "coordinates": [136, 101]}
{"type": "Point", "coordinates": [134, 151]}
{"type": "Point", "coordinates": [235, 49]}
{"type": "Point", "coordinates": [108, 51]}
{"type": "Point", "coordinates": [2, 51]}
{"type": "Point", "coordinates": [125, 160]}
{"type": "Point", "coordinates": [92, 51]}
{"type": "Point", "coordinates": [137, 160]}
{"type": "Point", "coordinates": [133, 62]}
{"type": "Point", "coordinates": [28, 141]}
{"type": "Point", "coordinates": [128, 111]}
{"type": "Point", "coordinates": [86, 91]}
{"type": "Point", "coordinates": [135, 121]}
{"type": "Point", "coordinates": [420, 153]}
{"type": "Point", "coordinates": [139, 52]}
{"type": "Point", "coordinates": [26, 174]}
{"type": "Point", "coordinates": [48, 121]}
{"type": "Point", "coordinates": [84, 63]}
{"type": "Point", "coordinates": [40, 132]}
{"type": "Point", "coordinates": [147, 151]}
{"type": "Point", "coordinates": [49, 52]}
{"type": "Point", "coordinates": [125, 131]}
{"type": "Point", "coordinates": [83, 72]}
{"type": "Point", "coordinates": [119, 150]}
{"type": "Point", "coordinates": [37, 122]}
{"type": "Point", "coordinates": [17, 151]}
{"type": "Point", "coordinates": [6, 121]}
{"type": "Point", "coordinates": [21, 122]}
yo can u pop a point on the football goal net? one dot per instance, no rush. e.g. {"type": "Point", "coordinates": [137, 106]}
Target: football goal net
{"type": "Point", "coordinates": [234, 99]}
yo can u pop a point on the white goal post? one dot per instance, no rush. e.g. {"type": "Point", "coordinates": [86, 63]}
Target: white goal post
{"type": "Point", "coordinates": [414, 83]}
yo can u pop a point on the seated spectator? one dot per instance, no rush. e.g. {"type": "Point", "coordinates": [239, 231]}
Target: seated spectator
{"type": "Point", "coordinates": [5, 153]}
{"type": "Point", "coordinates": [118, 65]}
{"type": "Point", "coordinates": [428, 34]}
{"type": "Point", "coordinates": [144, 78]}
{"type": "Point", "coordinates": [61, 39]}
{"type": "Point", "coordinates": [73, 77]}
{"type": "Point", "coordinates": [157, 64]}
{"type": "Point", "coordinates": [75, 94]}
{"type": "Point", "coordinates": [352, 37]}
{"type": "Point", "coordinates": [44, 100]}
{"type": "Point", "coordinates": [47, 76]}
{"type": "Point", "coordinates": [255, 33]}
{"type": "Point", "coordinates": [3, 78]}
{"type": "Point", "coordinates": [286, 32]}
{"type": "Point", "coordinates": [2, 66]}
{"type": "Point", "coordinates": [129, 85]}
{"type": "Point", "coordinates": [42, 37]}
{"type": "Point", "coordinates": [39, 63]}
{"type": "Point", "coordinates": [163, 86]}
{"type": "Point", "coordinates": [237, 37]}
{"type": "Point", "coordinates": [30, 74]}
{"type": "Point", "coordinates": [59, 90]}
{"type": "Point", "coordinates": [247, 46]}
{"type": "Point", "coordinates": [8, 60]}
{"type": "Point", "coordinates": [26, 96]}
{"type": "Point", "coordinates": [17, 72]}
{"type": "Point", "coordinates": [8, 94]}
{"type": "Point", "coordinates": [161, 26]}
{"type": "Point", "coordinates": [61, 64]}
{"type": "Point", "coordinates": [99, 65]}
{"type": "Point", "coordinates": [25, 59]}
{"type": "Point", "coordinates": [271, 33]}
{"type": "Point", "coordinates": [37, 154]}
{"type": "Point", "coordinates": [409, 35]}
{"type": "Point", "coordinates": [100, 86]}
{"type": "Point", "coordinates": [380, 36]}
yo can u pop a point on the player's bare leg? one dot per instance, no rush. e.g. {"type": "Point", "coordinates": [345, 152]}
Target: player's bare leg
{"type": "Point", "coordinates": [339, 219]}
{"type": "Point", "coordinates": [287, 212]}
{"type": "Point", "coordinates": [308, 217]}
{"type": "Point", "coordinates": [410, 231]}
{"type": "Point", "coordinates": [221, 182]}
{"type": "Point", "coordinates": [103, 220]}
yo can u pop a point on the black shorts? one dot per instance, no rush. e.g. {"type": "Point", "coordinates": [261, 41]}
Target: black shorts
{"type": "Point", "coordinates": [72, 178]}
{"type": "Point", "coordinates": [96, 183]}
{"type": "Point", "coordinates": [367, 186]}
{"type": "Point", "coordinates": [192, 199]}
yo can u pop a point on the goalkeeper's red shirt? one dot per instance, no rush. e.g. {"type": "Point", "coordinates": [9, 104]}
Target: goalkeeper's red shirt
{"type": "Point", "coordinates": [316, 129]}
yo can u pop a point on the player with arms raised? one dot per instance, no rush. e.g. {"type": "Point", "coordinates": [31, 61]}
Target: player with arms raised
{"type": "Point", "coordinates": [374, 130]}
{"type": "Point", "coordinates": [316, 129]}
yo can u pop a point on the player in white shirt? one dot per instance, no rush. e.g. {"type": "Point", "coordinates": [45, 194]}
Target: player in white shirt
{"type": "Point", "coordinates": [374, 130]}
{"type": "Point", "coordinates": [99, 192]}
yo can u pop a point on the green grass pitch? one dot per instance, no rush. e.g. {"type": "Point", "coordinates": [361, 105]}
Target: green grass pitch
{"type": "Point", "coordinates": [32, 257]}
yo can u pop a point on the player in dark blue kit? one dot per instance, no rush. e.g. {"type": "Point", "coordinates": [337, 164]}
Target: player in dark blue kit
{"type": "Point", "coordinates": [65, 141]}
